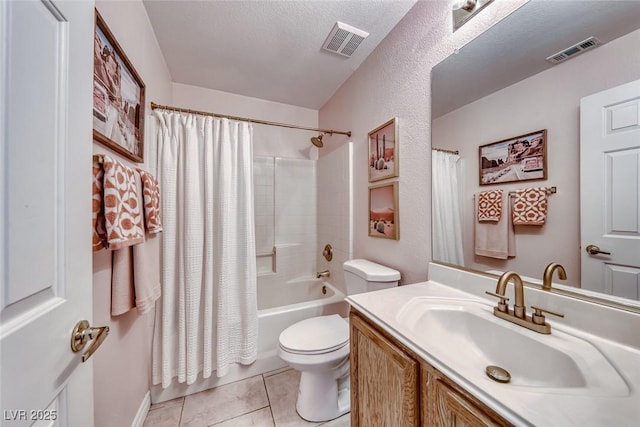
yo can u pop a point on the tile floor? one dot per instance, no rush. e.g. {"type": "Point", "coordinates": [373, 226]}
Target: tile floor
{"type": "Point", "coordinates": [264, 400]}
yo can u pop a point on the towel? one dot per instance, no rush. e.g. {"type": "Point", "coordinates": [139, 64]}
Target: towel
{"type": "Point", "coordinates": [530, 206]}
{"type": "Point", "coordinates": [490, 205]}
{"type": "Point", "coordinates": [123, 296]}
{"type": "Point", "coordinates": [135, 276]}
{"type": "Point", "coordinates": [99, 240]}
{"type": "Point", "coordinates": [496, 239]}
{"type": "Point", "coordinates": [151, 192]}
{"type": "Point", "coordinates": [122, 208]}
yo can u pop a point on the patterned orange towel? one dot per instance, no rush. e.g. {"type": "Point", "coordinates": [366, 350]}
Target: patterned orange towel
{"type": "Point", "coordinates": [151, 193]}
{"type": "Point", "coordinates": [99, 240]}
{"type": "Point", "coordinates": [122, 211]}
{"type": "Point", "coordinates": [490, 205]}
{"type": "Point", "coordinates": [530, 206]}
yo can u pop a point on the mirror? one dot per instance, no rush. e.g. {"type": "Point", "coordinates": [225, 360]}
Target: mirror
{"type": "Point", "coordinates": [500, 86]}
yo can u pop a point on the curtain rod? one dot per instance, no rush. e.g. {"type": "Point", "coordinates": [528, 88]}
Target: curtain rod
{"type": "Point", "coordinates": [446, 151]}
{"type": "Point", "coordinates": [155, 106]}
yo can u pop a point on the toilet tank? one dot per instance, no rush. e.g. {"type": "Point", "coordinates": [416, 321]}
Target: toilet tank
{"type": "Point", "coordinates": [361, 275]}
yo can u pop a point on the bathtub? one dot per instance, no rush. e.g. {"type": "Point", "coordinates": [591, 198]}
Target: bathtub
{"type": "Point", "coordinates": [294, 300]}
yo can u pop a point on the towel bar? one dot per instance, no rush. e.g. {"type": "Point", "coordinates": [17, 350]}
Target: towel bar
{"type": "Point", "coordinates": [550, 190]}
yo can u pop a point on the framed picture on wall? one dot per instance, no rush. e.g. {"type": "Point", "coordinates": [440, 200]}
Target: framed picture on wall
{"type": "Point", "coordinates": [118, 96]}
{"type": "Point", "coordinates": [383, 211]}
{"type": "Point", "coordinates": [521, 158]}
{"type": "Point", "coordinates": [383, 151]}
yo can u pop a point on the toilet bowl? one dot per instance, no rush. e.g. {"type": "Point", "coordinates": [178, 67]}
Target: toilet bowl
{"type": "Point", "coordinates": [319, 348]}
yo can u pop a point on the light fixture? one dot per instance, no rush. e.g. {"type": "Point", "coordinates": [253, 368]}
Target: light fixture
{"type": "Point", "coordinates": [464, 10]}
{"type": "Point", "coordinates": [467, 5]}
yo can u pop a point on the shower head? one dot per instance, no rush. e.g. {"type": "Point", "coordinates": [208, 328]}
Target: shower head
{"type": "Point", "coordinates": [317, 140]}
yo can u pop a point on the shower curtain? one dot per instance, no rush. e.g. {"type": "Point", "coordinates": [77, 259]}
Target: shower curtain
{"type": "Point", "coordinates": [447, 222]}
{"type": "Point", "coordinates": [207, 317]}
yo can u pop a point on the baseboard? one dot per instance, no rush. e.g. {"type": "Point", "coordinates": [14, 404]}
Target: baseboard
{"type": "Point", "coordinates": [141, 415]}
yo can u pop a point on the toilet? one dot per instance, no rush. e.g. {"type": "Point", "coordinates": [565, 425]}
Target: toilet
{"type": "Point", "coordinates": [319, 347]}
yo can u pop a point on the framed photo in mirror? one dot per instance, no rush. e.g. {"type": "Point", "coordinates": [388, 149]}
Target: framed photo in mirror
{"type": "Point", "coordinates": [383, 151]}
{"type": "Point", "coordinates": [118, 96]}
{"type": "Point", "coordinates": [520, 158]}
{"type": "Point", "coordinates": [383, 211]}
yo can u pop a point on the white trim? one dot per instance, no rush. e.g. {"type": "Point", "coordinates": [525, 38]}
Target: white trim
{"type": "Point", "coordinates": [143, 410]}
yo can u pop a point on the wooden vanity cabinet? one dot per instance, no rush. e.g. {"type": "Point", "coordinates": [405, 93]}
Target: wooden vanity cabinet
{"type": "Point", "coordinates": [444, 403]}
{"type": "Point", "coordinates": [392, 387]}
{"type": "Point", "coordinates": [384, 379]}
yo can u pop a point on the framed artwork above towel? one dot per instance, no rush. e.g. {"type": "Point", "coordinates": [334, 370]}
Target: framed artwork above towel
{"type": "Point", "coordinates": [383, 151]}
{"type": "Point", "coordinates": [520, 158]}
{"type": "Point", "coordinates": [383, 211]}
{"type": "Point", "coordinates": [118, 96]}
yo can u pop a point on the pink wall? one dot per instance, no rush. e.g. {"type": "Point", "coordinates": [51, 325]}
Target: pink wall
{"type": "Point", "coordinates": [122, 365]}
{"type": "Point", "coordinates": [552, 103]}
{"type": "Point", "coordinates": [394, 81]}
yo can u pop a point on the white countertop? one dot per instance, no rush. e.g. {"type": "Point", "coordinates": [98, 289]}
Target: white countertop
{"type": "Point", "coordinates": [519, 406]}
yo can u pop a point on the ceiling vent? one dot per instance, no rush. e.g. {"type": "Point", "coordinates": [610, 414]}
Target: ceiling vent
{"type": "Point", "coordinates": [574, 50]}
{"type": "Point", "coordinates": [344, 39]}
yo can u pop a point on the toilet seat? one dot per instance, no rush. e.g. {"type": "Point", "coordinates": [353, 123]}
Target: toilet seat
{"type": "Point", "coordinates": [317, 335]}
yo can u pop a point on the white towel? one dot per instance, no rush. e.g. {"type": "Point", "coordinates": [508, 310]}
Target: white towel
{"type": "Point", "coordinates": [496, 239]}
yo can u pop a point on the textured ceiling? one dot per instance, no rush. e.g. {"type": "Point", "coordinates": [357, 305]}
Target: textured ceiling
{"type": "Point", "coordinates": [267, 49]}
{"type": "Point", "coordinates": [516, 47]}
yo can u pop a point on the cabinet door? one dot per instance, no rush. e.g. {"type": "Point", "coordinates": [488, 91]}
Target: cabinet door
{"type": "Point", "coordinates": [384, 380]}
{"type": "Point", "coordinates": [445, 405]}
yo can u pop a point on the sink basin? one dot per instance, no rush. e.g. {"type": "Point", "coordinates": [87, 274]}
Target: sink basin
{"type": "Point", "coordinates": [465, 336]}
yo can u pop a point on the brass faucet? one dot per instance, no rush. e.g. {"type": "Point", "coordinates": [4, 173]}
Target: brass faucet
{"type": "Point", "coordinates": [548, 275]}
{"type": "Point", "coordinates": [518, 315]}
{"type": "Point", "coordinates": [325, 273]}
{"type": "Point", "coordinates": [501, 288]}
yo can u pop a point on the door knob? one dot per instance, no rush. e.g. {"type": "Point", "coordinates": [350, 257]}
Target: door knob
{"type": "Point", "coordinates": [595, 250]}
{"type": "Point", "coordinates": [83, 333]}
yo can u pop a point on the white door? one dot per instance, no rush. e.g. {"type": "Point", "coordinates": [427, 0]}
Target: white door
{"type": "Point", "coordinates": [610, 191]}
{"type": "Point", "coordinates": [46, 71]}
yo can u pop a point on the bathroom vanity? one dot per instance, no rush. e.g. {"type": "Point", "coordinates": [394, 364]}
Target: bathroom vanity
{"type": "Point", "coordinates": [393, 386]}
{"type": "Point", "coordinates": [419, 354]}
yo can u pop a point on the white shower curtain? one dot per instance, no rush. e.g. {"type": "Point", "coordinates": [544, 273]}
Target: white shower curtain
{"type": "Point", "coordinates": [447, 222]}
{"type": "Point", "coordinates": [207, 317]}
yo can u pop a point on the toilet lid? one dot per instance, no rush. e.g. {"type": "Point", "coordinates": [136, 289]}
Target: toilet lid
{"type": "Point", "coordinates": [316, 335]}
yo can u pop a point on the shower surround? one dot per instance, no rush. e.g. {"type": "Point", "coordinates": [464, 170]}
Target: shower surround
{"type": "Point", "coordinates": [286, 219]}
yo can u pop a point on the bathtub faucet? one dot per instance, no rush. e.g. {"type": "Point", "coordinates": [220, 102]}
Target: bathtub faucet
{"type": "Point", "coordinates": [325, 273]}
